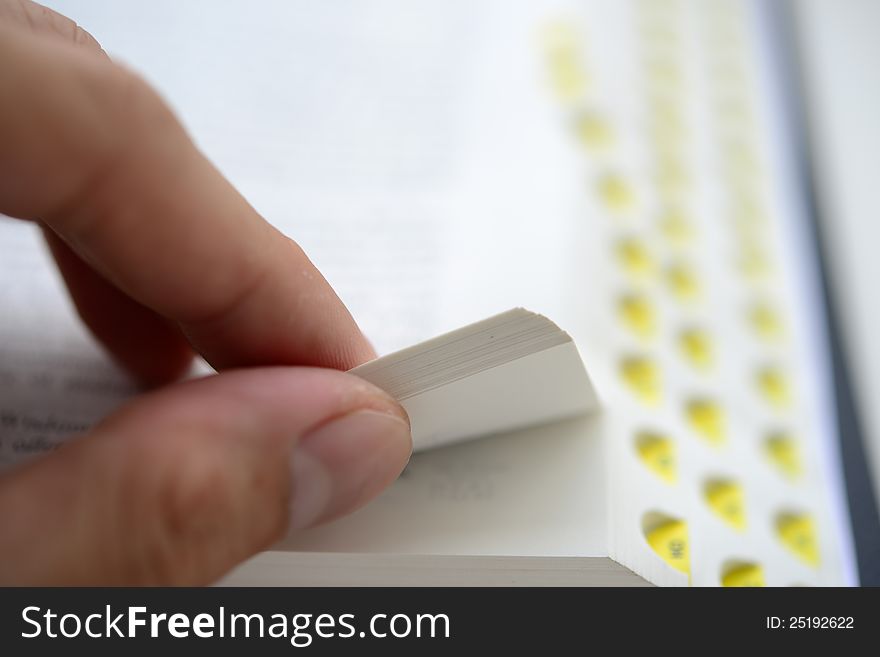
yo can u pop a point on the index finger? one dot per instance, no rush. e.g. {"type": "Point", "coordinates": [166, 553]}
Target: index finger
{"type": "Point", "coordinates": [90, 150]}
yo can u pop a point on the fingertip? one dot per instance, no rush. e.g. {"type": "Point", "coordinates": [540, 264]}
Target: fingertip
{"type": "Point", "coordinates": [346, 462]}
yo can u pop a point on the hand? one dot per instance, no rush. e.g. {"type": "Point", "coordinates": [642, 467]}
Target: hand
{"type": "Point", "coordinates": [162, 257]}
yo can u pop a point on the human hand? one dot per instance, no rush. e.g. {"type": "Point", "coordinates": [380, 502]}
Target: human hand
{"type": "Point", "coordinates": [163, 257]}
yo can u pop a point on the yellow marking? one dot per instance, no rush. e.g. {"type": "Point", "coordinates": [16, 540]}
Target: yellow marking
{"type": "Point", "coordinates": [697, 347]}
{"type": "Point", "coordinates": [593, 131]}
{"type": "Point", "coordinates": [682, 281]}
{"type": "Point", "coordinates": [657, 452]}
{"type": "Point", "coordinates": [675, 226]}
{"type": "Point", "coordinates": [747, 574]}
{"type": "Point", "coordinates": [798, 533]}
{"type": "Point", "coordinates": [727, 501]}
{"type": "Point", "coordinates": [635, 257]}
{"type": "Point", "coordinates": [615, 192]}
{"type": "Point", "coordinates": [783, 452]}
{"type": "Point", "coordinates": [765, 321]}
{"type": "Point", "coordinates": [707, 420]}
{"type": "Point", "coordinates": [641, 375]}
{"type": "Point", "coordinates": [638, 314]}
{"type": "Point", "coordinates": [567, 75]}
{"type": "Point", "coordinates": [669, 540]}
{"type": "Point", "coordinates": [774, 386]}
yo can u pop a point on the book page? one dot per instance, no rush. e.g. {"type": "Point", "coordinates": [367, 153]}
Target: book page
{"type": "Point", "coordinates": [403, 164]}
{"type": "Point", "coordinates": [534, 492]}
{"type": "Point", "coordinates": [54, 380]}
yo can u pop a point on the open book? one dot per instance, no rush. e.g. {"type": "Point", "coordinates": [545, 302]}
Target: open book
{"type": "Point", "coordinates": [619, 167]}
{"type": "Point", "coordinates": [514, 381]}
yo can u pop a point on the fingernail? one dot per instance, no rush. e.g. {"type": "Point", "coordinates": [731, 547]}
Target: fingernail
{"type": "Point", "coordinates": [344, 463]}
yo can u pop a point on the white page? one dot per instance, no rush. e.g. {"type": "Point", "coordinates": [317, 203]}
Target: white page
{"type": "Point", "coordinates": [536, 492]}
{"type": "Point", "coordinates": [396, 145]}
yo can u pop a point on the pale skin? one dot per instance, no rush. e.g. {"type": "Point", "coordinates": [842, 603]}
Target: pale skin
{"type": "Point", "coordinates": [163, 259]}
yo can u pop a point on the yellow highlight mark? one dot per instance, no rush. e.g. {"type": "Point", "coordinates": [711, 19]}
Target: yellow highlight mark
{"type": "Point", "coordinates": [707, 420]}
{"type": "Point", "coordinates": [744, 575]}
{"type": "Point", "coordinates": [675, 226]}
{"type": "Point", "coordinates": [567, 75]}
{"type": "Point", "coordinates": [641, 375]}
{"type": "Point", "coordinates": [697, 347]}
{"type": "Point", "coordinates": [798, 533]}
{"type": "Point", "coordinates": [727, 501]}
{"type": "Point", "coordinates": [765, 321]}
{"type": "Point", "coordinates": [773, 385]}
{"type": "Point", "coordinates": [682, 281]}
{"type": "Point", "coordinates": [657, 452]}
{"type": "Point", "coordinates": [783, 452]}
{"type": "Point", "coordinates": [615, 192]}
{"type": "Point", "coordinates": [634, 257]}
{"type": "Point", "coordinates": [593, 131]}
{"type": "Point", "coordinates": [637, 313]}
{"type": "Point", "coordinates": [670, 541]}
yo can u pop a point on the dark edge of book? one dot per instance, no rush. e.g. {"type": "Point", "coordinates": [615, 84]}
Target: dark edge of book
{"type": "Point", "coordinates": [863, 508]}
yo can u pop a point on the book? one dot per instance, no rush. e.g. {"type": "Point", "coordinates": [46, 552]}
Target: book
{"type": "Point", "coordinates": [619, 167]}
{"type": "Point", "coordinates": [510, 386]}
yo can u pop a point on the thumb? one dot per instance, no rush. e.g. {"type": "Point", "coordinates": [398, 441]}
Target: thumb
{"type": "Point", "coordinates": [182, 484]}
